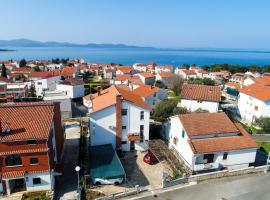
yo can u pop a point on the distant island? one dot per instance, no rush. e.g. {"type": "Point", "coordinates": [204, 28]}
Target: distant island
{"type": "Point", "coordinates": [6, 50]}
{"type": "Point", "coordinates": [33, 43]}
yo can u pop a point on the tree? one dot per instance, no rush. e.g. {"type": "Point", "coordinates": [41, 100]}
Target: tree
{"type": "Point", "coordinates": [174, 82]}
{"type": "Point", "coordinates": [32, 90]}
{"type": "Point", "coordinates": [264, 124]}
{"type": "Point", "coordinates": [200, 110]}
{"type": "Point", "coordinates": [4, 71]}
{"type": "Point", "coordinates": [199, 81]}
{"type": "Point", "coordinates": [22, 63]}
{"type": "Point", "coordinates": [166, 109]}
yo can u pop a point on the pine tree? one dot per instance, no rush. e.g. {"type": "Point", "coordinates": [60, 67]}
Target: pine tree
{"type": "Point", "coordinates": [32, 91]}
{"type": "Point", "coordinates": [4, 71]}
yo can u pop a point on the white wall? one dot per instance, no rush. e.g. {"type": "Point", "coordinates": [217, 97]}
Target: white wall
{"type": "Point", "coordinates": [193, 105]}
{"type": "Point", "coordinates": [46, 180]}
{"type": "Point", "coordinates": [72, 91]}
{"type": "Point", "coordinates": [247, 104]}
{"type": "Point", "coordinates": [182, 146]}
{"type": "Point", "coordinates": [104, 122]}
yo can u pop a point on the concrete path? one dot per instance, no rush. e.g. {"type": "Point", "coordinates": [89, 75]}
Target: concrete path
{"type": "Point", "coordinates": [67, 185]}
{"type": "Point", "coordinates": [233, 188]}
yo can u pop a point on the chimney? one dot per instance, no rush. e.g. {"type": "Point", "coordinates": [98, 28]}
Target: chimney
{"type": "Point", "coordinates": [99, 90]}
{"type": "Point", "coordinates": [118, 111]}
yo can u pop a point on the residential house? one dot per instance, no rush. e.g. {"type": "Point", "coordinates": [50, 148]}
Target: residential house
{"type": "Point", "coordinates": [17, 90]}
{"type": "Point", "coordinates": [254, 102]}
{"type": "Point", "coordinates": [31, 144]}
{"type": "Point", "coordinates": [149, 94]}
{"type": "Point", "coordinates": [187, 74]}
{"type": "Point", "coordinates": [163, 76]}
{"type": "Point", "coordinates": [20, 72]}
{"type": "Point", "coordinates": [43, 81]}
{"type": "Point", "coordinates": [121, 70]}
{"type": "Point", "coordinates": [73, 87]}
{"type": "Point", "coordinates": [147, 78]}
{"type": "Point", "coordinates": [69, 72]}
{"type": "Point", "coordinates": [140, 67]}
{"type": "Point", "coordinates": [194, 97]}
{"type": "Point", "coordinates": [210, 141]}
{"type": "Point", "coordinates": [159, 69]}
{"type": "Point", "coordinates": [118, 117]}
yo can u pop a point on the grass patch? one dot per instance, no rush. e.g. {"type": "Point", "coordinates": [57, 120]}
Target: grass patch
{"type": "Point", "coordinates": [172, 94]}
{"type": "Point", "coordinates": [35, 196]}
{"type": "Point", "coordinates": [265, 146]}
{"type": "Point", "coordinates": [91, 194]}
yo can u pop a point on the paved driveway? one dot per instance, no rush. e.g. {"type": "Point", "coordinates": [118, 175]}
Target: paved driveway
{"type": "Point", "coordinates": [67, 184]}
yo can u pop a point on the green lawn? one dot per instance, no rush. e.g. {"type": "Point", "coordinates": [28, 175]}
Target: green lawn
{"type": "Point", "coordinates": [265, 146]}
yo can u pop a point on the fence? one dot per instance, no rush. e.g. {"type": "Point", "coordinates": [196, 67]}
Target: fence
{"type": "Point", "coordinates": [213, 175]}
{"type": "Point", "coordinates": [133, 191]}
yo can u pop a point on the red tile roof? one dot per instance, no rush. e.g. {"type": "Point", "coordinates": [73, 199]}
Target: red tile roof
{"type": "Point", "coordinates": [22, 151]}
{"type": "Point", "coordinates": [147, 75]}
{"type": "Point", "coordinates": [145, 90]}
{"type": "Point", "coordinates": [21, 69]}
{"type": "Point", "coordinates": [223, 144]}
{"type": "Point", "coordinates": [41, 74]}
{"type": "Point", "coordinates": [13, 174]}
{"type": "Point", "coordinates": [233, 84]}
{"type": "Point", "coordinates": [3, 79]}
{"type": "Point", "coordinates": [200, 124]}
{"type": "Point", "coordinates": [26, 120]}
{"type": "Point", "coordinates": [125, 69]}
{"type": "Point", "coordinates": [201, 92]}
{"type": "Point", "coordinates": [165, 74]}
{"type": "Point", "coordinates": [257, 91]}
{"type": "Point", "coordinates": [265, 80]}
{"type": "Point", "coordinates": [189, 72]}
{"type": "Point", "coordinates": [108, 98]}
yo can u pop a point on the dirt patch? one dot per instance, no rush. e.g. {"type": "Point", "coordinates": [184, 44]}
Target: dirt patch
{"type": "Point", "coordinates": [174, 167]}
{"type": "Point", "coordinates": [91, 194]}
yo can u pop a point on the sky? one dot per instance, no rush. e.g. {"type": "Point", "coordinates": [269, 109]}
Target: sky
{"type": "Point", "coordinates": [156, 23]}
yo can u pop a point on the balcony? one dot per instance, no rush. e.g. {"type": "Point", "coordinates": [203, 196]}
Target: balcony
{"type": "Point", "coordinates": [134, 137]}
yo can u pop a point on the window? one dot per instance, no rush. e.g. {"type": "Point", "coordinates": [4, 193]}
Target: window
{"type": "Point", "coordinates": [124, 127]}
{"type": "Point", "coordinates": [141, 130]}
{"type": "Point", "coordinates": [256, 108]}
{"type": "Point", "coordinates": [208, 158]}
{"type": "Point", "coordinates": [124, 112]}
{"type": "Point", "coordinates": [33, 161]}
{"type": "Point", "coordinates": [124, 142]}
{"type": "Point", "coordinates": [142, 115]}
{"type": "Point", "coordinates": [39, 83]}
{"type": "Point", "coordinates": [183, 134]}
{"type": "Point", "coordinates": [175, 140]}
{"type": "Point", "coordinates": [13, 160]}
{"type": "Point", "coordinates": [199, 101]}
{"type": "Point", "coordinates": [225, 156]}
{"type": "Point", "coordinates": [31, 142]}
{"type": "Point", "coordinates": [36, 181]}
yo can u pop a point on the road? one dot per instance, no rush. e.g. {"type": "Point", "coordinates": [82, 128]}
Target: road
{"type": "Point", "coordinates": [262, 138]}
{"type": "Point", "coordinates": [234, 188]}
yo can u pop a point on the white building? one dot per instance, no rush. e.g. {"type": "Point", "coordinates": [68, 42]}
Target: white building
{"type": "Point", "coordinates": [210, 141]}
{"type": "Point", "coordinates": [74, 88]}
{"type": "Point", "coordinates": [254, 102]}
{"type": "Point", "coordinates": [118, 117]}
{"type": "Point", "coordinates": [194, 97]}
{"type": "Point", "coordinates": [147, 78]}
{"type": "Point", "coordinates": [140, 67]}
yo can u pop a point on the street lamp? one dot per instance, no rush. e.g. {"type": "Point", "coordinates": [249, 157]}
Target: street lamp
{"type": "Point", "coordinates": [77, 169]}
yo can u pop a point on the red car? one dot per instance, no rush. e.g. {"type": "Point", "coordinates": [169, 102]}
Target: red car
{"type": "Point", "coordinates": [150, 158]}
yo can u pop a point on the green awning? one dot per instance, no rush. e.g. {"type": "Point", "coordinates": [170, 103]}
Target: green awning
{"type": "Point", "coordinates": [232, 91]}
{"type": "Point", "coordinates": [105, 163]}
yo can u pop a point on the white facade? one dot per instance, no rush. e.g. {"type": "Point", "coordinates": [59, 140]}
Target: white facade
{"type": "Point", "coordinates": [73, 91]}
{"type": "Point", "coordinates": [251, 108]}
{"type": "Point", "coordinates": [193, 105]}
{"type": "Point", "coordinates": [178, 142]}
{"type": "Point", "coordinates": [103, 126]}
{"type": "Point", "coordinates": [46, 84]}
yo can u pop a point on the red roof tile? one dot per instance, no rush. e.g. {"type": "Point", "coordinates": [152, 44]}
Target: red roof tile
{"type": "Point", "coordinates": [201, 92]}
{"type": "Point", "coordinates": [26, 120]}
{"type": "Point", "coordinates": [257, 91]}
{"type": "Point", "coordinates": [221, 144]}
{"type": "Point", "coordinates": [13, 174]}
{"type": "Point", "coordinates": [200, 124]}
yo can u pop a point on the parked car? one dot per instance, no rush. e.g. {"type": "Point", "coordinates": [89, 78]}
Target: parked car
{"type": "Point", "coordinates": [150, 158]}
{"type": "Point", "coordinates": [116, 181]}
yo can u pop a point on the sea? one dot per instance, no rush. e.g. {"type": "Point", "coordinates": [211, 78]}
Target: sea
{"type": "Point", "coordinates": [128, 56]}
